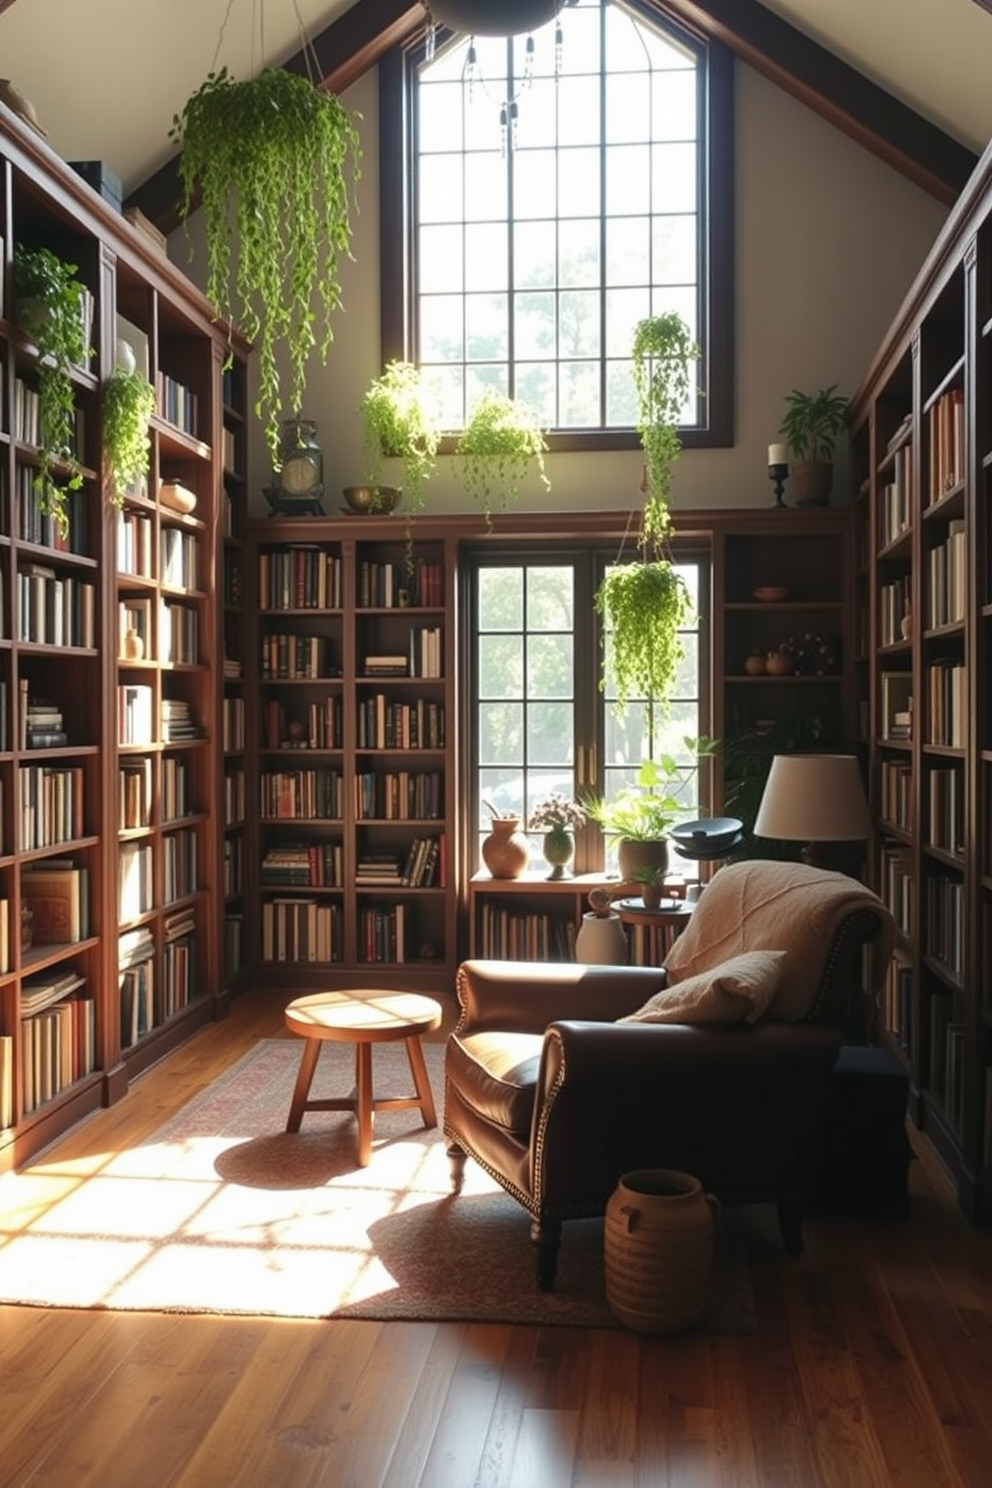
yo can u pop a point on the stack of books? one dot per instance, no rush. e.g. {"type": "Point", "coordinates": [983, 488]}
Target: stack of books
{"type": "Point", "coordinates": [43, 723]}
{"type": "Point", "coordinates": [387, 665]}
{"type": "Point", "coordinates": [378, 869]}
{"type": "Point", "coordinates": [177, 721]}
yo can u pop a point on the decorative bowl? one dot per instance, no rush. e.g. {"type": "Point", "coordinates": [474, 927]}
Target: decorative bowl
{"type": "Point", "coordinates": [372, 499]}
{"type": "Point", "coordinates": [177, 497]}
{"type": "Point", "coordinates": [771, 593]}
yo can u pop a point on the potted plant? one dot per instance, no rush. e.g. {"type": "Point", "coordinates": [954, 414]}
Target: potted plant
{"type": "Point", "coordinates": [639, 817]}
{"type": "Point", "coordinates": [128, 404]}
{"type": "Point", "coordinates": [652, 882]}
{"type": "Point", "coordinates": [811, 427]}
{"type": "Point", "coordinates": [273, 162]}
{"type": "Point", "coordinates": [644, 605]}
{"type": "Point", "coordinates": [558, 817]}
{"type": "Point", "coordinates": [49, 309]}
{"type": "Point", "coordinates": [663, 352]}
{"type": "Point", "coordinates": [499, 444]}
{"type": "Point", "coordinates": [401, 422]}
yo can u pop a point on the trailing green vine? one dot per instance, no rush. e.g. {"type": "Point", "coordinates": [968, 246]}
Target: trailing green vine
{"type": "Point", "coordinates": [644, 606]}
{"type": "Point", "coordinates": [50, 310]}
{"type": "Point", "coordinates": [275, 160]}
{"type": "Point", "coordinates": [497, 447]}
{"type": "Point", "coordinates": [128, 404]}
{"type": "Point", "coordinates": [401, 422]}
{"type": "Point", "coordinates": [663, 351]}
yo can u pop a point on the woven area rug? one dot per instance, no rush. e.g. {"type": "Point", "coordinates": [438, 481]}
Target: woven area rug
{"type": "Point", "coordinates": [222, 1211]}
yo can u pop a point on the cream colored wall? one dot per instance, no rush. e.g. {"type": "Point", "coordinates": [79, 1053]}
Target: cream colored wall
{"type": "Point", "coordinates": [828, 240]}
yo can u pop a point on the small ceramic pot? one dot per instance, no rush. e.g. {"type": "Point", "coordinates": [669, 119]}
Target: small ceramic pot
{"type": "Point", "coordinates": [778, 664]}
{"type": "Point", "coordinates": [754, 664]}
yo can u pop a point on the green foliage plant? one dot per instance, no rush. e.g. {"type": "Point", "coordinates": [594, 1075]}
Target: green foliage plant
{"type": "Point", "coordinates": [49, 308]}
{"type": "Point", "coordinates": [813, 422]}
{"type": "Point", "coordinates": [663, 352]}
{"type": "Point", "coordinates": [499, 444]}
{"type": "Point", "coordinates": [644, 605]}
{"type": "Point", "coordinates": [401, 421]}
{"type": "Point", "coordinates": [273, 162]}
{"type": "Point", "coordinates": [647, 810]}
{"type": "Point", "coordinates": [128, 404]}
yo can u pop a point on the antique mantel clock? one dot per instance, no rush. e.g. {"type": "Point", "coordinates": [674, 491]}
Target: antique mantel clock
{"type": "Point", "coordinates": [298, 484]}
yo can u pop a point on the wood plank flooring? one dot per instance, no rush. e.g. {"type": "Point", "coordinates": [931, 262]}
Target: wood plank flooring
{"type": "Point", "coordinates": [871, 1366]}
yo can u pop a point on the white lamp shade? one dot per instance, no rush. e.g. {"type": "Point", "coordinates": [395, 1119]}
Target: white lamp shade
{"type": "Point", "coordinates": [814, 798]}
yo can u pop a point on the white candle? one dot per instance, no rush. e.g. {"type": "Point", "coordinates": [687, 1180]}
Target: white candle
{"type": "Point", "coordinates": [778, 454]}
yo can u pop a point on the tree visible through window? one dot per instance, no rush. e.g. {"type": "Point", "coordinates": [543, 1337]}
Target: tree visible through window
{"type": "Point", "coordinates": [558, 196]}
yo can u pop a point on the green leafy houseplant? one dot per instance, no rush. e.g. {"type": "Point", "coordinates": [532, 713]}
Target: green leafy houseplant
{"type": "Point", "coordinates": [647, 810]}
{"type": "Point", "coordinates": [811, 426]}
{"type": "Point", "coordinates": [401, 422]}
{"type": "Point", "coordinates": [128, 404]}
{"type": "Point", "coordinates": [499, 444]}
{"type": "Point", "coordinates": [644, 606]}
{"type": "Point", "coordinates": [275, 161]}
{"type": "Point", "coordinates": [663, 352]}
{"type": "Point", "coordinates": [49, 310]}
{"type": "Point", "coordinates": [813, 422]}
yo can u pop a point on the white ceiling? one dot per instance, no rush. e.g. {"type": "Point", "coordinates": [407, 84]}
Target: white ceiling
{"type": "Point", "coordinates": [107, 76]}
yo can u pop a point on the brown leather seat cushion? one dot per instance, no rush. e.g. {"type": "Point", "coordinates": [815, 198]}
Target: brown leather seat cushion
{"type": "Point", "coordinates": [495, 1074]}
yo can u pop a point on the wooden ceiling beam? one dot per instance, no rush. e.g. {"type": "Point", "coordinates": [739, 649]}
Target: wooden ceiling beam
{"type": "Point", "coordinates": [876, 120]}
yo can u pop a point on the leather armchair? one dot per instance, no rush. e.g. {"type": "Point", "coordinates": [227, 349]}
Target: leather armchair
{"type": "Point", "coordinates": [555, 1099]}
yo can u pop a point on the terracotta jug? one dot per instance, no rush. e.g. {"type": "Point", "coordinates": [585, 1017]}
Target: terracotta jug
{"type": "Point", "coordinates": [506, 851]}
{"type": "Point", "coordinates": [658, 1244]}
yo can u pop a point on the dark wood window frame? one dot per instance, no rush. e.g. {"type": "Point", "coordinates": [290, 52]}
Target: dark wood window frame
{"type": "Point", "coordinates": [716, 205]}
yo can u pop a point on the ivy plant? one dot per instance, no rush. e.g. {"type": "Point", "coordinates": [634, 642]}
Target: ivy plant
{"type": "Point", "coordinates": [644, 606]}
{"type": "Point", "coordinates": [128, 404]}
{"type": "Point", "coordinates": [663, 352]}
{"type": "Point", "coordinates": [273, 162]}
{"type": "Point", "coordinates": [49, 308]}
{"type": "Point", "coordinates": [499, 444]}
{"type": "Point", "coordinates": [401, 422]}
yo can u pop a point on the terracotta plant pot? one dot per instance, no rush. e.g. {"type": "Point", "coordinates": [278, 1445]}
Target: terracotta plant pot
{"type": "Point", "coordinates": [812, 481]}
{"type": "Point", "coordinates": [506, 851]}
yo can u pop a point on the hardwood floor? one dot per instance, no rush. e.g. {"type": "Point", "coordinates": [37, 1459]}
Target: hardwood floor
{"type": "Point", "coordinates": [871, 1365]}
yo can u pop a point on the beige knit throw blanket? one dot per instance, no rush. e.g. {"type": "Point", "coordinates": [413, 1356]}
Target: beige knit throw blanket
{"type": "Point", "coordinates": [771, 906]}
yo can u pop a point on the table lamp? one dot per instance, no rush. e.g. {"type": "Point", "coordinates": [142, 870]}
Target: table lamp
{"type": "Point", "coordinates": [814, 799]}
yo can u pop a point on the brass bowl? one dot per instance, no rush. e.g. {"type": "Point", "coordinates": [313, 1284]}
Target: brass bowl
{"type": "Point", "coordinates": [371, 499]}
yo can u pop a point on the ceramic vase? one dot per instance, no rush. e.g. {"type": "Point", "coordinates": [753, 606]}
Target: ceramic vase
{"type": "Point", "coordinates": [559, 849]}
{"type": "Point", "coordinates": [506, 851]}
{"type": "Point", "coordinates": [133, 647]}
{"type": "Point", "coordinates": [658, 1247]}
{"type": "Point", "coordinates": [601, 941]}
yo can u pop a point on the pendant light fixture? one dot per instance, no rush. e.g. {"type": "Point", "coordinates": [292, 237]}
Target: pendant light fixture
{"type": "Point", "coordinates": [493, 17]}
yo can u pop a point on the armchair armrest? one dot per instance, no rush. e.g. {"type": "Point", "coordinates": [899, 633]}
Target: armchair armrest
{"type": "Point", "coordinates": [525, 996]}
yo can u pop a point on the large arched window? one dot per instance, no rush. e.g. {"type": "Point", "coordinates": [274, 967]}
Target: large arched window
{"type": "Point", "coordinates": [538, 200]}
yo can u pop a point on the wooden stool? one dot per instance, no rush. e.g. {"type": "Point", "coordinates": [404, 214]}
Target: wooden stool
{"type": "Point", "coordinates": [363, 1019]}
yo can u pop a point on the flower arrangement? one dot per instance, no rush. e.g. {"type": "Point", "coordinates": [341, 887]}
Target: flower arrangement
{"type": "Point", "coordinates": [556, 813]}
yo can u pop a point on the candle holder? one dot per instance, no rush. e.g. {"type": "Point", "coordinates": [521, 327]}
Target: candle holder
{"type": "Point", "coordinates": [777, 474]}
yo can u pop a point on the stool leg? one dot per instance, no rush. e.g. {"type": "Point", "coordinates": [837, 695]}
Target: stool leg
{"type": "Point", "coordinates": [363, 1106]}
{"type": "Point", "coordinates": [304, 1079]}
{"type": "Point", "coordinates": [422, 1085]}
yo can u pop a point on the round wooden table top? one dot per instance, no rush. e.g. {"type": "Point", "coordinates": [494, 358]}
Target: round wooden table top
{"type": "Point", "coordinates": [369, 1016]}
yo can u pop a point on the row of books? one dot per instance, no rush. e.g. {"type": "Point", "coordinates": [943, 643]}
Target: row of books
{"type": "Point", "coordinates": [385, 934]}
{"type": "Point", "coordinates": [946, 808]}
{"type": "Point", "coordinates": [388, 586]}
{"type": "Point", "coordinates": [134, 543]}
{"type": "Point", "coordinates": [945, 422]}
{"type": "Point", "coordinates": [233, 724]}
{"type": "Point", "coordinates": [944, 910]}
{"type": "Point", "coordinates": [384, 723]}
{"type": "Point", "coordinates": [39, 527]}
{"type": "Point", "coordinates": [399, 795]}
{"type": "Point", "coordinates": [897, 1004]}
{"type": "Point", "coordinates": [179, 865]}
{"type": "Point", "coordinates": [177, 403]}
{"type": "Point", "coordinates": [308, 794]}
{"type": "Point", "coordinates": [235, 797]}
{"type": "Point", "coordinates": [424, 656]}
{"type": "Point", "coordinates": [301, 930]}
{"type": "Point", "coordinates": [52, 805]}
{"type": "Point", "coordinates": [421, 866]}
{"type": "Point", "coordinates": [299, 577]}
{"type": "Point", "coordinates": [290, 657]}
{"type": "Point", "coordinates": [896, 793]}
{"type": "Point", "coordinates": [58, 1047]}
{"type": "Point", "coordinates": [303, 865]}
{"type": "Point", "coordinates": [519, 935]}
{"type": "Point", "coordinates": [895, 509]}
{"type": "Point", "coordinates": [179, 564]}
{"type": "Point", "coordinates": [947, 578]}
{"type": "Point", "coordinates": [55, 609]}
{"type": "Point", "coordinates": [318, 727]}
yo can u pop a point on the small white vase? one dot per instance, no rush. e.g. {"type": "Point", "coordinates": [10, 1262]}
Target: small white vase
{"type": "Point", "coordinates": [126, 359]}
{"type": "Point", "coordinates": [601, 941]}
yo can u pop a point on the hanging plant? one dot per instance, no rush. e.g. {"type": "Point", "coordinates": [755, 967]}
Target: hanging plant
{"type": "Point", "coordinates": [275, 160]}
{"type": "Point", "coordinates": [644, 606]}
{"type": "Point", "coordinates": [49, 309]}
{"type": "Point", "coordinates": [401, 422]}
{"type": "Point", "coordinates": [496, 449]}
{"type": "Point", "coordinates": [128, 404]}
{"type": "Point", "coordinates": [663, 352]}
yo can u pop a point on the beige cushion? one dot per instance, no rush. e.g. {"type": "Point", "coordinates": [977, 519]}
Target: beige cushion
{"type": "Point", "coordinates": [736, 991]}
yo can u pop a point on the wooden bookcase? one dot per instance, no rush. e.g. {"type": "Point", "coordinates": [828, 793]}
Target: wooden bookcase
{"type": "Point", "coordinates": [80, 811]}
{"type": "Point", "coordinates": [351, 729]}
{"type": "Point", "coordinates": [923, 489]}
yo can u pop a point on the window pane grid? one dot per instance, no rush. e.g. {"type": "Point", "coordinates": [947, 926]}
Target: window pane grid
{"type": "Point", "coordinates": [615, 156]}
